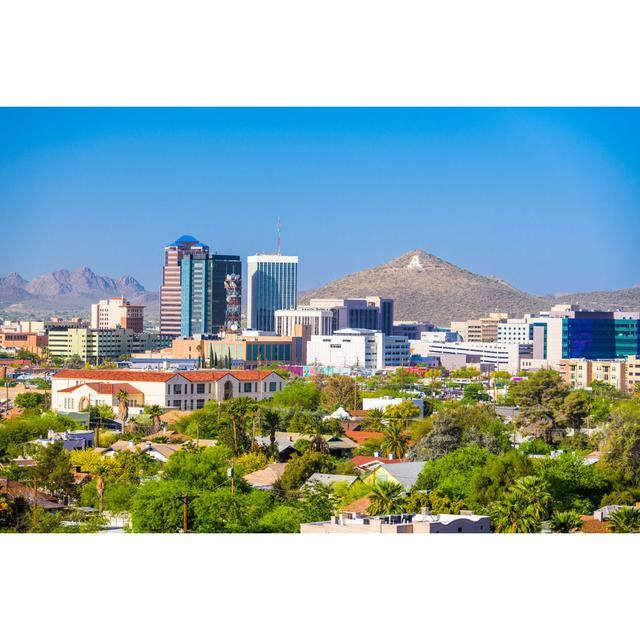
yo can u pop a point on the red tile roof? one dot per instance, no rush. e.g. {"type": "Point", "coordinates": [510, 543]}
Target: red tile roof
{"type": "Point", "coordinates": [115, 374]}
{"type": "Point", "coordinates": [104, 388]}
{"type": "Point", "coordinates": [362, 436]}
{"type": "Point", "coordinates": [204, 375]}
{"type": "Point", "coordinates": [360, 460]}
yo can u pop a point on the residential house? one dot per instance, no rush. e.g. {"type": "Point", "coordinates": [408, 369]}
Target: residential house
{"type": "Point", "coordinates": [267, 477]}
{"type": "Point", "coordinates": [328, 479]}
{"type": "Point", "coordinates": [404, 473]}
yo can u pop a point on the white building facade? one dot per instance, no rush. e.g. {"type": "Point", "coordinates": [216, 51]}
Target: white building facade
{"type": "Point", "coordinates": [503, 357]}
{"type": "Point", "coordinates": [319, 320]}
{"type": "Point", "coordinates": [359, 348]}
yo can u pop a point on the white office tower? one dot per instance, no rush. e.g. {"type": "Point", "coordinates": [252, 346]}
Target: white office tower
{"type": "Point", "coordinates": [272, 284]}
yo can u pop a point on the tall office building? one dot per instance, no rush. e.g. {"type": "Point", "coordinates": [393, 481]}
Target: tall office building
{"type": "Point", "coordinates": [203, 293]}
{"type": "Point", "coordinates": [170, 291]}
{"type": "Point", "coordinates": [192, 296]}
{"type": "Point", "coordinates": [272, 284]}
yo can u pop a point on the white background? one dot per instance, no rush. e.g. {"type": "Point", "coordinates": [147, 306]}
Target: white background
{"type": "Point", "coordinates": [318, 53]}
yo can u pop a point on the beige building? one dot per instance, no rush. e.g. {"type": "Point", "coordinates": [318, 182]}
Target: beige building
{"type": "Point", "coordinates": [117, 313]}
{"type": "Point", "coordinates": [480, 330]}
{"type": "Point", "coordinates": [249, 351]}
{"type": "Point", "coordinates": [624, 375]}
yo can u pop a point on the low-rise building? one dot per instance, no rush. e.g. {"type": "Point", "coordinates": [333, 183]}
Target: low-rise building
{"type": "Point", "coordinates": [75, 389]}
{"type": "Point", "coordinates": [401, 523]}
{"type": "Point", "coordinates": [358, 348]}
{"type": "Point", "coordinates": [412, 330]}
{"type": "Point", "coordinates": [248, 349]}
{"type": "Point", "coordinates": [501, 357]}
{"type": "Point", "coordinates": [97, 345]}
{"type": "Point", "coordinates": [623, 373]}
{"type": "Point", "coordinates": [480, 330]}
{"type": "Point", "coordinates": [387, 401]}
{"type": "Point", "coordinates": [16, 340]}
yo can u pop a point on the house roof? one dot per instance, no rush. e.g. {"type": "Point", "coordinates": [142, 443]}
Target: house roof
{"type": "Point", "coordinates": [14, 489]}
{"type": "Point", "coordinates": [105, 388]}
{"type": "Point", "coordinates": [358, 506]}
{"type": "Point", "coordinates": [362, 436]}
{"type": "Point", "coordinates": [174, 415]}
{"type": "Point", "coordinates": [267, 476]}
{"type": "Point", "coordinates": [591, 525]}
{"type": "Point", "coordinates": [406, 473]}
{"type": "Point", "coordinates": [328, 479]}
{"type": "Point", "coordinates": [358, 461]}
{"type": "Point", "coordinates": [243, 375]}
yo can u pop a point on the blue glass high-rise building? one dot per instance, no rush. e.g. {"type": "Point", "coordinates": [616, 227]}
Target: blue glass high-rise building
{"type": "Point", "coordinates": [272, 284]}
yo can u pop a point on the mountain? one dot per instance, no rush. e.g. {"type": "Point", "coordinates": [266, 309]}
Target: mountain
{"type": "Point", "coordinates": [425, 287]}
{"type": "Point", "coordinates": [624, 299]}
{"type": "Point", "coordinates": [70, 291]}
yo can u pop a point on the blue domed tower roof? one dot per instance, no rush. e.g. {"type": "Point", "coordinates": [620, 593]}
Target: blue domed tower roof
{"type": "Point", "coordinates": [185, 240]}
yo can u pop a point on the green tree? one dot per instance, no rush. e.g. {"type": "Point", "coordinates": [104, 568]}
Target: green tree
{"type": "Point", "coordinates": [512, 514]}
{"type": "Point", "coordinates": [300, 468]}
{"type": "Point", "coordinates": [534, 491]}
{"type": "Point", "coordinates": [155, 413]}
{"type": "Point", "coordinates": [53, 470]}
{"type": "Point", "coordinates": [373, 420]}
{"type": "Point", "coordinates": [625, 520]}
{"type": "Point", "coordinates": [337, 391]}
{"type": "Point", "coordinates": [575, 408]}
{"type": "Point", "coordinates": [284, 518]}
{"type": "Point", "coordinates": [474, 392]}
{"type": "Point", "coordinates": [464, 373]}
{"type": "Point", "coordinates": [395, 441]}
{"type": "Point", "coordinates": [123, 407]}
{"type": "Point", "coordinates": [453, 473]}
{"type": "Point", "coordinates": [566, 522]}
{"type": "Point", "coordinates": [203, 469]}
{"type": "Point", "coordinates": [621, 441]}
{"type": "Point", "coordinates": [73, 362]}
{"type": "Point", "coordinates": [298, 394]}
{"type": "Point", "coordinates": [158, 507]}
{"type": "Point", "coordinates": [29, 400]}
{"type": "Point", "coordinates": [386, 498]}
{"type": "Point", "coordinates": [540, 397]}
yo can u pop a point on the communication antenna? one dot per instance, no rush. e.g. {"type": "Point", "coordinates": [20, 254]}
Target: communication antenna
{"type": "Point", "coordinates": [278, 242]}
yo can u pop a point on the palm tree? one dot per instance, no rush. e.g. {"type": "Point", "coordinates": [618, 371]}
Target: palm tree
{"type": "Point", "coordinates": [387, 497]}
{"type": "Point", "coordinates": [100, 484]}
{"type": "Point", "coordinates": [271, 420]}
{"type": "Point", "coordinates": [566, 522]}
{"type": "Point", "coordinates": [374, 420]}
{"type": "Point", "coordinates": [625, 520]}
{"type": "Point", "coordinates": [534, 492]}
{"type": "Point", "coordinates": [513, 515]}
{"type": "Point", "coordinates": [154, 412]}
{"type": "Point", "coordinates": [123, 407]}
{"type": "Point", "coordinates": [395, 441]}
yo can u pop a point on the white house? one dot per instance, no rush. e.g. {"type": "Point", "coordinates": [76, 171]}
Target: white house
{"type": "Point", "coordinates": [74, 389]}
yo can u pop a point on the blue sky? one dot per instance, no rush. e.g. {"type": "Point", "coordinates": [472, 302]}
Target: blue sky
{"type": "Point", "coordinates": [548, 199]}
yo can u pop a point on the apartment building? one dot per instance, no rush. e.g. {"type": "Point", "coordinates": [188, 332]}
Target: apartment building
{"type": "Point", "coordinates": [411, 330]}
{"type": "Point", "coordinates": [623, 374]}
{"type": "Point", "coordinates": [75, 389]}
{"type": "Point", "coordinates": [117, 313]}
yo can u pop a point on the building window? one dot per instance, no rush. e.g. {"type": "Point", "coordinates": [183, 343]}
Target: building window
{"type": "Point", "coordinates": [247, 387]}
{"type": "Point", "coordinates": [200, 388]}
{"type": "Point", "coordinates": [177, 389]}
{"type": "Point", "coordinates": [272, 387]}
{"type": "Point", "coordinates": [199, 404]}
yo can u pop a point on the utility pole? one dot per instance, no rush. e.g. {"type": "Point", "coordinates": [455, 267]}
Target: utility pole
{"type": "Point", "coordinates": [184, 514]}
{"type": "Point", "coordinates": [355, 393]}
{"type": "Point", "coordinates": [35, 501]}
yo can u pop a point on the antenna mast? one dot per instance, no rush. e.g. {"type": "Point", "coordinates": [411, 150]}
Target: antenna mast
{"type": "Point", "coordinates": [278, 242]}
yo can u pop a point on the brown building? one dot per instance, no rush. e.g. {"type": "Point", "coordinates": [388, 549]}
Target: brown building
{"type": "Point", "coordinates": [33, 342]}
{"type": "Point", "coordinates": [624, 375]}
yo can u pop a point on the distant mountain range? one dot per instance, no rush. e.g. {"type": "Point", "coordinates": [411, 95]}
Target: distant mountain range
{"type": "Point", "coordinates": [423, 286]}
{"type": "Point", "coordinates": [69, 292]}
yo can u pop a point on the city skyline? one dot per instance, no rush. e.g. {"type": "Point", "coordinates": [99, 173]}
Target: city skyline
{"type": "Point", "coordinates": [495, 191]}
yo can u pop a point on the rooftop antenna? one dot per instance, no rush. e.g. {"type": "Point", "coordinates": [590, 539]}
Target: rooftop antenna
{"type": "Point", "coordinates": [278, 242]}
